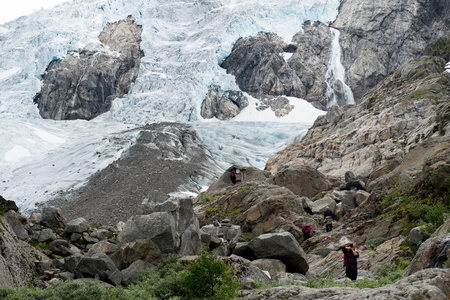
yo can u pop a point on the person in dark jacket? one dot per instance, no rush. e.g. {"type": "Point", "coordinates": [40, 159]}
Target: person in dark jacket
{"type": "Point", "coordinates": [328, 219]}
{"type": "Point", "coordinates": [350, 262]}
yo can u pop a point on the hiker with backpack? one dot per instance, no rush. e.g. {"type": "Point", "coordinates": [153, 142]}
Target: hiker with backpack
{"type": "Point", "coordinates": [307, 229]}
{"type": "Point", "coordinates": [328, 219]}
{"type": "Point", "coordinates": [233, 176]}
{"type": "Point", "coordinates": [350, 262]}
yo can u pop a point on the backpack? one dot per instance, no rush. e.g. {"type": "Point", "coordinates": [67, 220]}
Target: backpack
{"type": "Point", "coordinates": [233, 173]}
{"type": "Point", "coordinates": [306, 229]}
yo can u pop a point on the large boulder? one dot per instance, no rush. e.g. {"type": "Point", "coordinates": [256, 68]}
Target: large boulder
{"type": "Point", "coordinates": [171, 225]}
{"type": "Point", "coordinates": [79, 225]}
{"type": "Point", "coordinates": [302, 180]}
{"type": "Point", "coordinates": [131, 274]}
{"type": "Point", "coordinates": [273, 266]}
{"type": "Point", "coordinates": [245, 270]}
{"type": "Point", "coordinates": [100, 265]}
{"type": "Point", "coordinates": [52, 218]}
{"type": "Point", "coordinates": [145, 250]}
{"type": "Point", "coordinates": [281, 246]}
{"type": "Point", "coordinates": [431, 254]}
{"type": "Point", "coordinates": [222, 105]}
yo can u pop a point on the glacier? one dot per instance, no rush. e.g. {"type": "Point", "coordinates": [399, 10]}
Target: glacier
{"type": "Point", "coordinates": [184, 43]}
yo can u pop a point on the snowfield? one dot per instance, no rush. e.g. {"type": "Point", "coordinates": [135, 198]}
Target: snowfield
{"type": "Point", "coordinates": [184, 43]}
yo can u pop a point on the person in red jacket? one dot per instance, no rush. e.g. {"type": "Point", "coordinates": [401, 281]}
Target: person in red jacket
{"type": "Point", "coordinates": [350, 262]}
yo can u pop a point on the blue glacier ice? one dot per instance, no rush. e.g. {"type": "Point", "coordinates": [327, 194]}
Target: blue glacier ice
{"type": "Point", "coordinates": [184, 43]}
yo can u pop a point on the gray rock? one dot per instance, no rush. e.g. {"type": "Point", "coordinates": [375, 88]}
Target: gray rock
{"type": "Point", "coordinates": [319, 206]}
{"type": "Point", "coordinates": [273, 266]}
{"type": "Point", "coordinates": [145, 250]}
{"type": "Point", "coordinates": [229, 232]}
{"type": "Point", "coordinates": [84, 83]}
{"type": "Point", "coordinates": [172, 225]}
{"type": "Point", "coordinates": [302, 180]}
{"type": "Point", "coordinates": [222, 105]}
{"type": "Point", "coordinates": [16, 221]}
{"type": "Point", "coordinates": [47, 235]}
{"type": "Point", "coordinates": [242, 250]}
{"type": "Point", "coordinates": [417, 235]}
{"type": "Point", "coordinates": [60, 247]}
{"type": "Point", "coordinates": [130, 275]}
{"type": "Point", "coordinates": [78, 225]}
{"type": "Point", "coordinates": [52, 218]}
{"type": "Point", "coordinates": [244, 269]}
{"type": "Point", "coordinates": [103, 247]}
{"type": "Point", "coordinates": [282, 246]}
{"type": "Point", "coordinates": [100, 265]}
{"type": "Point", "coordinates": [7, 205]}
{"type": "Point", "coordinates": [431, 254]}
{"type": "Point", "coordinates": [159, 227]}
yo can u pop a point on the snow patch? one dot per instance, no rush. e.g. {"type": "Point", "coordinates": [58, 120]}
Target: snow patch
{"type": "Point", "coordinates": [16, 154]}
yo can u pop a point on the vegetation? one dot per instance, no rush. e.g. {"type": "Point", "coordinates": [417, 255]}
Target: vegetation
{"type": "Point", "coordinates": [205, 278]}
{"type": "Point", "coordinates": [425, 202]}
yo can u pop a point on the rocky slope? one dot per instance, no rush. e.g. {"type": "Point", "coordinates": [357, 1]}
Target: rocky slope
{"type": "Point", "coordinates": [407, 108]}
{"type": "Point", "coordinates": [165, 158]}
{"type": "Point", "coordinates": [84, 84]}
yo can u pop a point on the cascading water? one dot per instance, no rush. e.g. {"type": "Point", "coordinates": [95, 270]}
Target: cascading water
{"type": "Point", "coordinates": [338, 93]}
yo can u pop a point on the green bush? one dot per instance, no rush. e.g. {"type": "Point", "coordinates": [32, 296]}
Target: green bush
{"type": "Point", "coordinates": [391, 273]}
{"type": "Point", "coordinates": [208, 277]}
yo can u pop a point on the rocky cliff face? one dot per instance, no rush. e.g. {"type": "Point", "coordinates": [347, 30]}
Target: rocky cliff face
{"type": "Point", "coordinates": [84, 83]}
{"type": "Point", "coordinates": [379, 37]}
{"type": "Point", "coordinates": [406, 109]}
{"type": "Point", "coordinates": [376, 39]}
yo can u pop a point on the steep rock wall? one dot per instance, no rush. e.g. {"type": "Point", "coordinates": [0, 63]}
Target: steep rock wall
{"type": "Point", "coordinates": [84, 84]}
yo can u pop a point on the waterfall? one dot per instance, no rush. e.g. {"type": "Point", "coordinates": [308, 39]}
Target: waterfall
{"type": "Point", "coordinates": [338, 93]}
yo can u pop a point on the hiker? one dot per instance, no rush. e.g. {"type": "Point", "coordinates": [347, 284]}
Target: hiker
{"type": "Point", "coordinates": [306, 231]}
{"type": "Point", "coordinates": [350, 256]}
{"type": "Point", "coordinates": [291, 231]}
{"type": "Point", "coordinates": [328, 219]}
{"type": "Point", "coordinates": [233, 176]}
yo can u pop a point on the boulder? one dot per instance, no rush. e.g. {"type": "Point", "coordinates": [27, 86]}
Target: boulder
{"type": "Point", "coordinates": [145, 250]}
{"type": "Point", "coordinates": [78, 225]}
{"type": "Point", "coordinates": [230, 233]}
{"type": "Point", "coordinates": [223, 105]}
{"type": "Point", "coordinates": [131, 274]}
{"type": "Point", "coordinates": [281, 246]}
{"type": "Point", "coordinates": [60, 247]}
{"type": "Point", "coordinates": [103, 247]}
{"type": "Point", "coordinates": [100, 265]}
{"type": "Point", "coordinates": [178, 230]}
{"type": "Point", "coordinates": [352, 183]}
{"type": "Point", "coordinates": [417, 235]}
{"type": "Point", "coordinates": [319, 206]}
{"type": "Point", "coordinates": [242, 250]}
{"type": "Point", "coordinates": [273, 266]}
{"type": "Point", "coordinates": [47, 235]}
{"type": "Point", "coordinates": [302, 180]}
{"type": "Point", "coordinates": [52, 218]}
{"type": "Point", "coordinates": [159, 227]}
{"type": "Point", "coordinates": [244, 269]}
{"type": "Point", "coordinates": [431, 254]}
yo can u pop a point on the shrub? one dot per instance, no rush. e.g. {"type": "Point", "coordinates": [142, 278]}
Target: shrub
{"type": "Point", "coordinates": [391, 273]}
{"type": "Point", "coordinates": [208, 277]}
